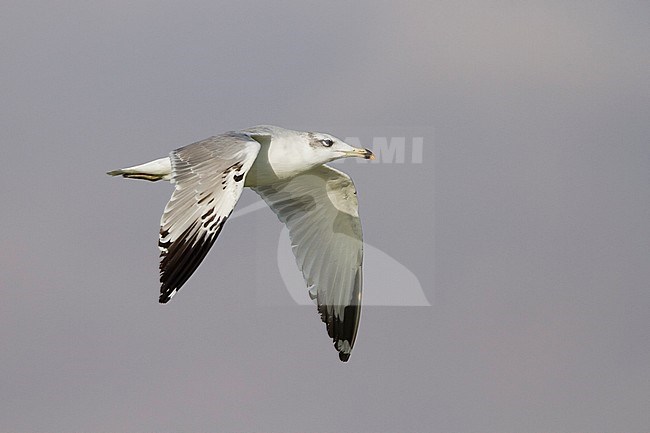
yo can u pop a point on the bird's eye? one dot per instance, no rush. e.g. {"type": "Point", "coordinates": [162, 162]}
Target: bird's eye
{"type": "Point", "coordinates": [327, 142]}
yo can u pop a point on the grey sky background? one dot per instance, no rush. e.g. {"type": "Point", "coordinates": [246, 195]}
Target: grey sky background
{"type": "Point", "coordinates": [526, 223]}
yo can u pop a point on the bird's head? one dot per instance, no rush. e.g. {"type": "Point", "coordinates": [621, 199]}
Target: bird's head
{"type": "Point", "coordinates": [325, 148]}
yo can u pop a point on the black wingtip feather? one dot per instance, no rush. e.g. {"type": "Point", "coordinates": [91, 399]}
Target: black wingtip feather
{"type": "Point", "coordinates": [342, 330]}
{"type": "Point", "coordinates": [180, 259]}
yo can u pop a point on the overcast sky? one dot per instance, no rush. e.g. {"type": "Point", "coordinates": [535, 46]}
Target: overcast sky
{"type": "Point", "coordinates": [526, 223]}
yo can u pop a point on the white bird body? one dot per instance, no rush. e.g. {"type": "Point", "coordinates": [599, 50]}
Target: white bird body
{"type": "Point", "coordinates": [282, 155]}
{"type": "Point", "coordinates": [286, 168]}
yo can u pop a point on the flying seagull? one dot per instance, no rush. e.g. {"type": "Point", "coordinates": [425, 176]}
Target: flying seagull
{"type": "Point", "coordinates": [317, 203]}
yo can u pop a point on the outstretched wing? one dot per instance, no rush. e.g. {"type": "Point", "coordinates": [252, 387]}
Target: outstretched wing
{"type": "Point", "coordinates": [320, 209]}
{"type": "Point", "coordinates": [209, 177]}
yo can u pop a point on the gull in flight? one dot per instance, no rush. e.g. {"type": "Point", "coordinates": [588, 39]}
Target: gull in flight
{"type": "Point", "coordinates": [317, 203]}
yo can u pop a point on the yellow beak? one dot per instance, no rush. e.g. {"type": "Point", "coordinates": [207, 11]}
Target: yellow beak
{"type": "Point", "coordinates": [362, 153]}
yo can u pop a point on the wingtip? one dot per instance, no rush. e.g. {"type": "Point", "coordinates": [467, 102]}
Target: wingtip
{"type": "Point", "coordinates": [166, 295]}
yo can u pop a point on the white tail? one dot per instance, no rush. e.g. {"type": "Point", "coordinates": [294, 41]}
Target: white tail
{"type": "Point", "coordinates": [160, 169]}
